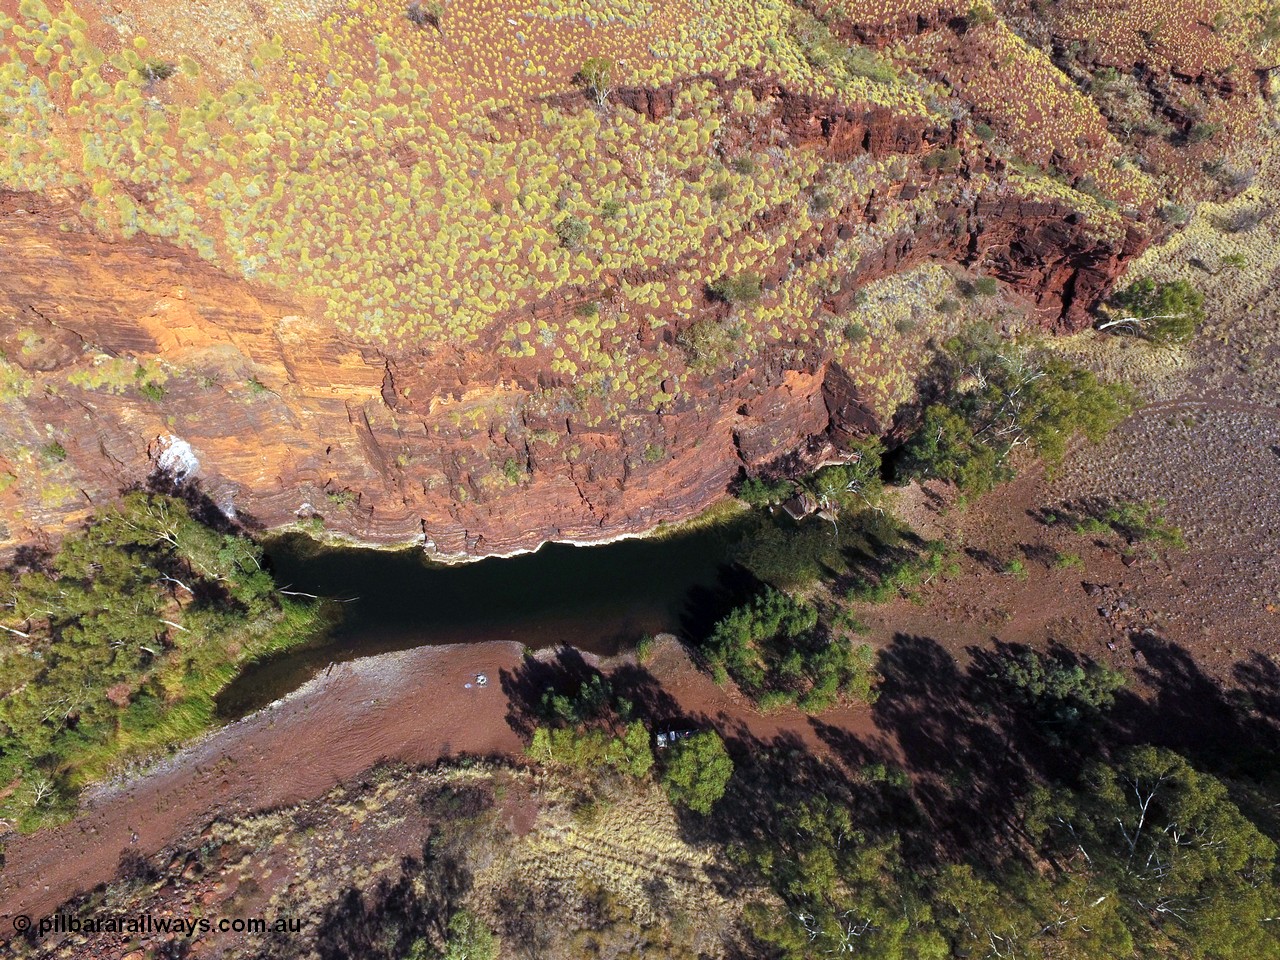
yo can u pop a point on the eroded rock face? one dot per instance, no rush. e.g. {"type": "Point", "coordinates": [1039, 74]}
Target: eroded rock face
{"type": "Point", "coordinates": [283, 413]}
{"type": "Point", "coordinates": [129, 351]}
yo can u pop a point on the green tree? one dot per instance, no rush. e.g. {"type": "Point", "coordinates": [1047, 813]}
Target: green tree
{"type": "Point", "coordinates": [426, 13]}
{"type": "Point", "coordinates": [1164, 313]}
{"type": "Point", "coordinates": [121, 643]}
{"type": "Point", "coordinates": [845, 892]}
{"type": "Point", "coordinates": [470, 938]}
{"type": "Point", "coordinates": [1001, 397]}
{"type": "Point", "coordinates": [1061, 693]}
{"type": "Point", "coordinates": [857, 483]}
{"type": "Point", "coordinates": [1188, 868]}
{"type": "Point", "coordinates": [1024, 913]}
{"type": "Point", "coordinates": [597, 76]}
{"type": "Point", "coordinates": [697, 771]}
{"type": "Point", "coordinates": [637, 755]}
{"type": "Point", "coordinates": [764, 493]}
{"type": "Point", "coordinates": [945, 447]}
{"type": "Point", "coordinates": [572, 232]}
{"type": "Point", "coordinates": [778, 653]}
{"type": "Point", "coordinates": [748, 639]}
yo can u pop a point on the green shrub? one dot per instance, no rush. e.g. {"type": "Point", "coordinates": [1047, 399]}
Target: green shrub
{"type": "Point", "coordinates": [710, 345]}
{"type": "Point", "coordinates": [764, 493]}
{"type": "Point", "coordinates": [1175, 214]}
{"type": "Point", "coordinates": [856, 484]}
{"type": "Point", "coordinates": [840, 60]}
{"type": "Point", "coordinates": [776, 700]}
{"type": "Point", "coordinates": [644, 649]}
{"type": "Point", "coordinates": [470, 939]}
{"type": "Point", "coordinates": [942, 160]}
{"type": "Point", "coordinates": [900, 575]}
{"type": "Point", "coordinates": [572, 232]}
{"type": "Point", "coordinates": [426, 13]}
{"type": "Point", "coordinates": [864, 62]}
{"type": "Point", "coordinates": [1134, 521]}
{"type": "Point", "coordinates": [720, 191]}
{"type": "Point", "coordinates": [738, 288]}
{"type": "Point", "coordinates": [1203, 132]}
{"type": "Point", "coordinates": [980, 14]}
{"type": "Point", "coordinates": [855, 333]}
{"type": "Point", "coordinates": [152, 390]}
{"type": "Point", "coordinates": [592, 748]}
{"type": "Point", "coordinates": [820, 202]}
{"type": "Point", "coordinates": [154, 70]}
{"type": "Point", "coordinates": [697, 771]}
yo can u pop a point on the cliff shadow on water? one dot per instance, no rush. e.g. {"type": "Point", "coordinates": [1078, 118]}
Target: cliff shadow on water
{"type": "Point", "coordinates": [601, 599]}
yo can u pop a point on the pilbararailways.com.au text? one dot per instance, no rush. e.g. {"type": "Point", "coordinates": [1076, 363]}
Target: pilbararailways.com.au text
{"type": "Point", "coordinates": [144, 923]}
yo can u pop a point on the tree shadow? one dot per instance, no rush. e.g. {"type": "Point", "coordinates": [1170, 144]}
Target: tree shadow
{"type": "Point", "coordinates": [970, 764]}
{"type": "Point", "coordinates": [648, 700]}
{"type": "Point", "coordinates": [527, 913]}
{"type": "Point", "coordinates": [705, 605]}
{"type": "Point", "coordinates": [30, 558]}
{"type": "Point", "coordinates": [200, 505]}
{"type": "Point", "coordinates": [873, 548]}
{"type": "Point", "coordinates": [1223, 731]}
{"type": "Point", "coordinates": [564, 672]}
{"type": "Point", "coordinates": [1259, 680]}
{"type": "Point", "coordinates": [1039, 553]}
{"type": "Point", "coordinates": [383, 923]}
{"type": "Point", "coordinates": [769, 776]}
{"type": "Point", "coordinates": [985, 559]}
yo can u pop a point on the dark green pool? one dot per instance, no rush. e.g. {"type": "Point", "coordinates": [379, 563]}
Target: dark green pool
{"type": "Point", "coordinates": [599, 598]}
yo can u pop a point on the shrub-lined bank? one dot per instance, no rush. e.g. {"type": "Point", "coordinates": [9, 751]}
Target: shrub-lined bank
{"type": "Point", "coordinates": [117, 644]}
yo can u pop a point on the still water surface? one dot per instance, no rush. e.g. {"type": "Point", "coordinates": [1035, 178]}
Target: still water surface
{"type": "Point", "coordinates": [599, 598]}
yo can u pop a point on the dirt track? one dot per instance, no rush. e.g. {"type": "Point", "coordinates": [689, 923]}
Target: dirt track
{"type": "Point", "coordinates": [411, 706]}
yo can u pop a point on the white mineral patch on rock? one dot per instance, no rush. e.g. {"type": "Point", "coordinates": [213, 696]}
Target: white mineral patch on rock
{"type": "Point", "coordinates": [175, 457]}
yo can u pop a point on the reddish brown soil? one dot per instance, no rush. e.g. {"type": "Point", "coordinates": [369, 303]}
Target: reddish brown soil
{"type": "Point", "coordinates": [411, 706]}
